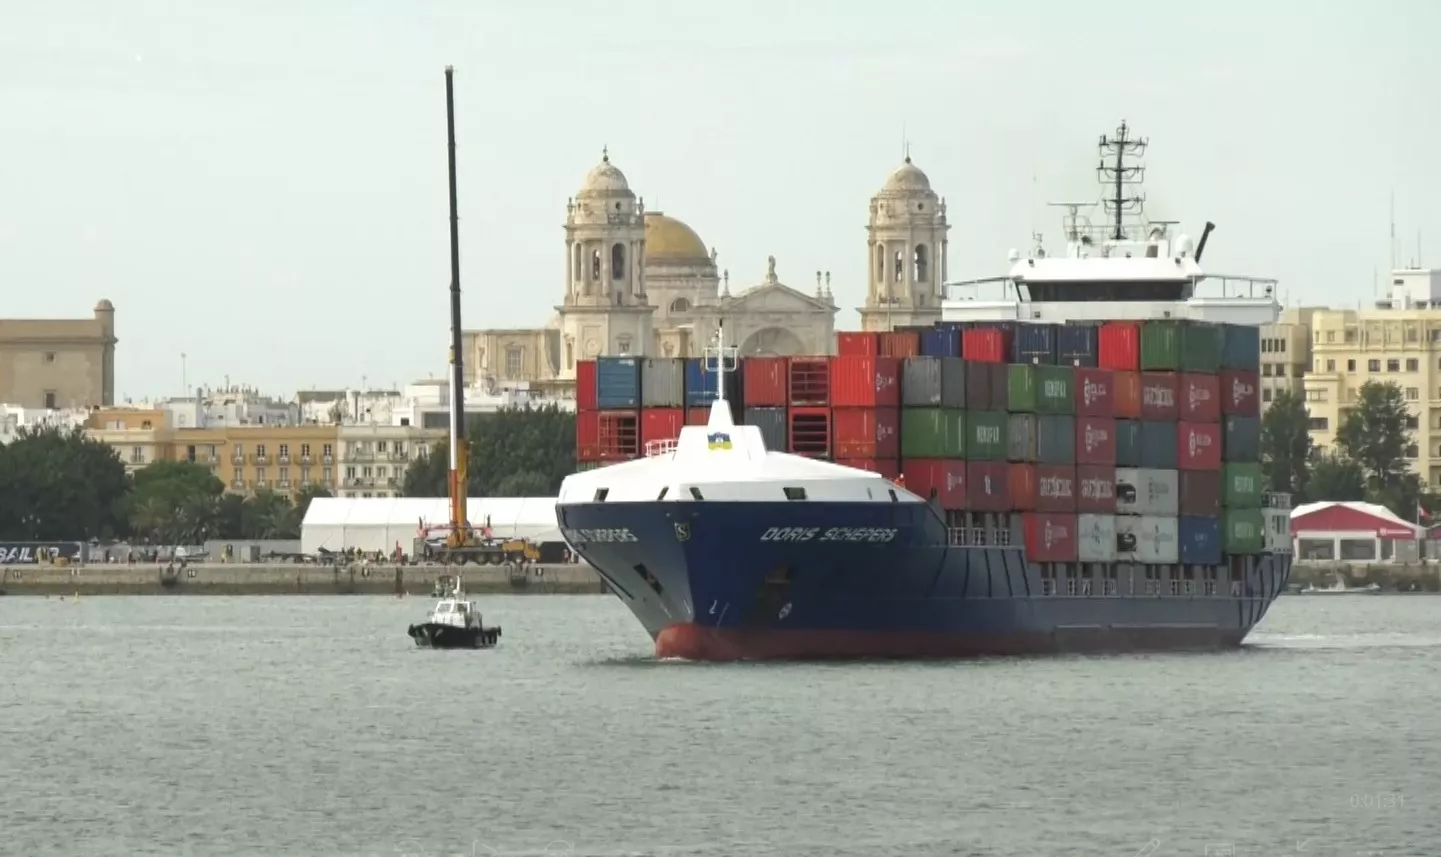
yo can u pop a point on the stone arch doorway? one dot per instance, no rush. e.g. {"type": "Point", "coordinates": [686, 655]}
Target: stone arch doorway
{"type": "Point", "coordinates": [772, 342]}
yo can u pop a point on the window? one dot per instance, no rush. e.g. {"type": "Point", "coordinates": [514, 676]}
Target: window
{"type": "Point", "coordinates": [1330, 365]}
{"type": "Point", "coordinates": [1373, 365]}
{"type": "Point", "coordinates": [260, 450]}
{"type": "Point", "coordinates": [1280, 370]}
{"type": "Point", "coordinates": [239, 476]}
{"type": "Point", "coordinates": [1412, 394]}
{"type": "Point", "coordinates": [1266, 395]}
{"type": "Point", "coordinates": [350, 473]}
{"type": "Point", "coordinates": [795, 493]}
{"type": "Point", "coordinates": [285, 476]}
{"type": "Point", "coordinates": [260, 475]}
{"type": "Point", "coordinates": [284, 450]}
{"type": "Point", "coordinates": [305, 449]}
{"type": "Point", "coordinates": [305, 476]}
{"type": "Point", "coordinates": [514, 362]}
{"type": "Point", "coordinates": [1413, 365]}
{"type": "Point", "coordinates": [1317, 424]}
{"type": "Point", "coordinates": [1350, 365]}
{"type": "Point", "coordinates": [1411, 450]}
{"type": "Point", "coordinates": [1330, 336]}
{"type": "Point", "coordinates": [1315, 395]}
{"type": "Point", "coordinates": [325, 450]}
{"type": "Point", "coordinates": [50, 357]}
{"type": "Point", "coordinates": [1265, 370]}
{"type": "Point", "coordinates": [380, 446]}
{"type": "Point", "coordinates": [327, 475]}
{"type": "Point", "coordinates": [1393, 365]}
{"type": "Point", "coordinates": [1412, 422]}
{"type": "Point", "coordinates": [617, 262]}
{"type": "Point", "coordinates": [137, 455]}
{"type": "Point", "coordinates": [49, 400]}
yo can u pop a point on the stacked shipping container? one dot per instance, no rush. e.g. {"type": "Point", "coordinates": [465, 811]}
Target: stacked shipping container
{"type": "Point", "coordinates": [1120, 441]}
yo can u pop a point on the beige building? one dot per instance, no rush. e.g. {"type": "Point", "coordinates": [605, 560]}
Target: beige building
{"type": "Point", "coordinates": [1399, 341]}
{"type": "Point", "coordinates": [907, 250]}
{"type": "Point", "coordinates": [1286, 352]}
{"type": "Point", "coordinates": [644, 283]}
{"type": "Point", "coordinates": [140, 436]}
{"type": "Point", "coordinates": [59, 363]}
{"type": "Point", "coordinates": [374, 458]}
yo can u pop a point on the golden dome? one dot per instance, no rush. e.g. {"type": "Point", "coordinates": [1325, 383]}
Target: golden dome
{"type": "Point", "coordinates": [670, 240]}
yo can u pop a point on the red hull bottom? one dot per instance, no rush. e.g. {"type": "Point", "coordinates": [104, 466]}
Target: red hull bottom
{"type": "Point", "coordinates": [697, 643]}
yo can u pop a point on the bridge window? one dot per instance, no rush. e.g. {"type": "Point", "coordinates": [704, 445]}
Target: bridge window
{"type": "Point", "coordinates": [795, 493]}
{"type": "Point", "coordinates": [1139, 290]}
{"type": "Point", "coordinates": [600, 494]}
{"type": "Point", "coordinates": [695, 493]}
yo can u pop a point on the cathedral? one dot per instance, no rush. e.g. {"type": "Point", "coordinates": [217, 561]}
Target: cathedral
{"type": "Point", "coordinates": [643, 283]}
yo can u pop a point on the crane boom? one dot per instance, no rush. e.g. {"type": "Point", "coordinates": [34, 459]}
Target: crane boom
{"type": "Point", "coordinates": [459, 481]}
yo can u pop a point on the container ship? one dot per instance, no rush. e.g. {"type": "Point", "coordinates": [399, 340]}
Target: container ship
{"type": "Point", "coordinates": [1067, 462]}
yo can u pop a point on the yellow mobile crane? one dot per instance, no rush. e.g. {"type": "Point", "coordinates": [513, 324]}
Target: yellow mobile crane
{"type": "Point", "coordinates": [462, 543]}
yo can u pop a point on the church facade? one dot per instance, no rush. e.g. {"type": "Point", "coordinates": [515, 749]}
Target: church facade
{"type": "Point", "coordinates": [643, 283]}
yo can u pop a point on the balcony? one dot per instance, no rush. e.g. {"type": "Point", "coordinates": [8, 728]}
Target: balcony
{"type": "Point", "coordinates": [282, 459]}
{"type": "Point", "coordinates": [262, 458]}
{"type": "Point", "coordinates": [237, 459]}
{"type": "Point", "coordinates": [305, 459]}
{"type": "Point", "coordinates": [283, 485]}
{"type": "Point", "coordinates": [327, 459]}
{"type": "Point", "coordinates": [237, 484]}
{"type": "Point", "coordinates": [359, 455]}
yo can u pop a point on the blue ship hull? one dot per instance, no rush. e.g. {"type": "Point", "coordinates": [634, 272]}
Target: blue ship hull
{"type": "Point", "coordinates": [753, 580]}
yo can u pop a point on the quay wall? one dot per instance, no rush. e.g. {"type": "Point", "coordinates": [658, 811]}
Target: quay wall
{"type": "Point", "coordinates": [292, 579]}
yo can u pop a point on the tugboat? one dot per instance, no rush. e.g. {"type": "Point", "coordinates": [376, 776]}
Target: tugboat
{"type": "Point", "coordinates": [454, 623]}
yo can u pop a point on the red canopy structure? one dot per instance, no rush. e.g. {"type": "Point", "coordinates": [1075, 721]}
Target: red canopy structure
{"type": "Point", "coordinates": [1347, 517]}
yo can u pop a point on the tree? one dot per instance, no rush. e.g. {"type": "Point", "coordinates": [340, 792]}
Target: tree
{"type": "Point", "coordinates": [1373, 434]}
{"type": "Point", "coordinates": [176, 503]}
{"type": "Point", "coordinates": [267, 515]}
{"type": "Point", "coordinates": [511, 450]}
{"type": "Point", "coordinates": [1333, 476]}
{"type": "Point", "coordinates": [61, 485]}
{"type": "Point", "coordinates": [302, 505]}
{"type": "Point", "coordinates": [1286, 444]}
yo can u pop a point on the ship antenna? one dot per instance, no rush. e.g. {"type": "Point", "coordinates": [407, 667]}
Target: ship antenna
{"type": "Point", "coordinates": [720, 359]}
{"type": "Point", "coordinates": [1121, 176]}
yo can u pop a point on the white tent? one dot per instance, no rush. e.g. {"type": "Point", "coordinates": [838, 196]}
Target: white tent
{"type": "Point", "coordinates": [378, 523]}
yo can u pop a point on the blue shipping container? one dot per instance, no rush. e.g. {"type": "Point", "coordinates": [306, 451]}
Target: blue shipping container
{"type": "Point", "coordinates": [1034, 343]}
{"type": "Point", "coordinates": [1128, 443]}
{"type": "Point", "coordinates": [1241, 347]}
{"type": "Point", "coordinates": [941, 342]}
{"type": "Point", "coordinates": [1076, 345]}
{"type": "Point", "coordinates": [1241, 440]}
{"type": "Point", "coordinates": [701, 387]}
{"type": "Point", "coordinates": [617, 383]}
{"type": "Point", "coordinates": [1200, 541]}
{"type": "Point", "coordinates": [1158, 445]}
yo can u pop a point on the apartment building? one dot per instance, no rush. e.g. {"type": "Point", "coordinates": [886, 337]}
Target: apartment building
{"type": "Point", "coordinates": [1286, 352]}
{"type": "Point", "coordinates": [248, 458]}
{"type": "Point", "coordinates": [140, 436]}
{"type": "Point", "coordinates": [374, 456]}
{"type": "Point", "coordinates": [1398, 341]}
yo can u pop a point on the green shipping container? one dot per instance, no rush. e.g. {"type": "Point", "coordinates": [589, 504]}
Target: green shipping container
{"type": "Point", "coordinates": [1021, 389]}
{"type": "Point", "coordinates": [1242, 531]}
{"type": "Point", "coordinates": [933, 433]}
{"type": "Point", "coordinates": [986, 433]}
{"type": "Point", "coordinates": [1201, 344]}
{"type": "Point", "coordinates": [1160, 346]}
{"type": "Point", "coordinates": [1054, 390]}
{"type": "Point", "coordinates": [1241, 486]}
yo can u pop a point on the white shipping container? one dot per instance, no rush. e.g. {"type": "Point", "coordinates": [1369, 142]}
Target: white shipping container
{"type": "Point", "coordinates": [1278, 530]}
{"type": "Point", "coordinates": [662, 383]}
{"type": "Point", "coordinates": [1096, 538]}
{"type": "Point", "coordinates": [1147, 492]}
{"type": "Point", "coordinates": [1148, 539]}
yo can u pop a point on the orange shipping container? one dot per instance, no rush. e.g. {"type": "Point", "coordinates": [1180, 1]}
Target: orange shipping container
{"type": "Point", "coordinates": [865, 382]}
{"type": "Point", "coordinates": [857, 344]}
{"type": "Point", "coordinates": [866, 432]}
{"type": "Point", "coordinates": [1127, 395]}
{"type": "Point", "coordinates": [902, 343]}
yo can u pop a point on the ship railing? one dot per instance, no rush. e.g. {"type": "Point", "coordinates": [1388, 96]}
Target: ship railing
{"type": "Point", "coordinates": [654, 448]}
{"type": "Point", "coordinates": [1276, 500]}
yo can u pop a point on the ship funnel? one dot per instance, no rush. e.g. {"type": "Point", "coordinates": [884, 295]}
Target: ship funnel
{"type": "Point", "coordinates": [1201, 245]}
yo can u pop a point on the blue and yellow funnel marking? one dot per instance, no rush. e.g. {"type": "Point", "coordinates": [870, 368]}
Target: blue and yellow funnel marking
{"type": "Point", "coordinates": [718, 440]}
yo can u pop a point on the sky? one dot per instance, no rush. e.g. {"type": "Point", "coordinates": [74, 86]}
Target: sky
{"type": "Point", "coordinates": [261, 187]}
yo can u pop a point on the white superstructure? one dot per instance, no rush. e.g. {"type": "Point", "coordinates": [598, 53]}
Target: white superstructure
{"type": "Point", "coordinates": [1125, 268]}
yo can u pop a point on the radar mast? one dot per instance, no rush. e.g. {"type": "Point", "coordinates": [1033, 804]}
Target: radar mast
{"type": "Point", "coordinates": [1123, 177]}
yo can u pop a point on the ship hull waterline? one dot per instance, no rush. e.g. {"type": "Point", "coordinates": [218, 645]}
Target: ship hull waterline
{"type": "Point", "coordinates": [723, 581]}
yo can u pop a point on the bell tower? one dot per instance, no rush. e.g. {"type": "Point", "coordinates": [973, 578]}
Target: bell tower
{"type": "Point", "coordinates": [906, 252]}
{"type": "Point", "coordinates": [605, 311]}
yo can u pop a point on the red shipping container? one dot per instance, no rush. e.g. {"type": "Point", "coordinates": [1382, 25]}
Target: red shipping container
{"type": "Point", "coordinates": [1127, 393]}
{"type": "Point", "coordinates": [855, 344]}
{"type": "Point", "coordinates": [865, 382]}
{"type": "Point", "coordinates": [866, 432]}
{"type": "Point", "coordinates": [697, 416]}
{"type": "Point", "coordinates": [1159, 396]}
{"type": "Point", "coordinates": [809, 381]}
{"type": "Point", "coordinates": [988, 489]}
{"type": "Point", "coordinates": [585, 385]}
{"type": "Point", "coordinates": [986, 345]}
{"type": "Point", "coordinates": [809, 432]}
{"type": "Point", "coordinates": [1050, 537]}
{"type": "Point", "coordinates": [660, 424]}
{"type": "Point", "coordinates": [1095, 392]}
{"type": "Point", "coordinates": [886, 467]}
{"type": "Point", "coordinates": [1055, 488]}
{"type": "Point", "coordinates": [1095, 440]}
{"type": "Point", "coordinates": [1021, 480]}
{"type": "Point", "coordinates": [763, 381]}
{"type": "Point", "coordinates": [1198, 446]}
{"type": "Point", "coordinates": [946, 477]}
{"type": "Point", "coordinates": [900, 343]}
{"type": "Point", "coordinates": [1199, 493]}
{"type": "Point", "coordinates": [1238, 393]}
{"type": "Point", "coordinates": [1200, 397]}
{"type": "Point", "coordinates": [1119, 346]}
{"type": "Point", "coordinates": [1095, 489]}
{"type": "Point", "coordinates": [607, 435]}
{"type": "Point", "coordinates": [587, 436]}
